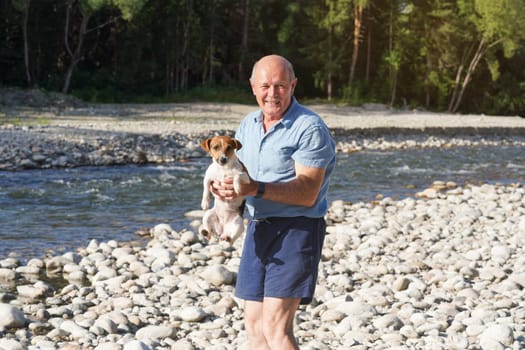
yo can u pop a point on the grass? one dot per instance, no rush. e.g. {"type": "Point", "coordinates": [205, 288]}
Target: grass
{"type": "Point", "coordinates": [38, 120]}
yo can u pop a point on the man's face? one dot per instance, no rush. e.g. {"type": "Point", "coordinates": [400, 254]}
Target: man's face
{"type": "Point", "coordinates": [272, 87]}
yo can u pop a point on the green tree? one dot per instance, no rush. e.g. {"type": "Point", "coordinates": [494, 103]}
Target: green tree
{"type": "Point", "coordinates": [492, 24]}
{"type": "Point", "coordinates": [430, 27]}
{"type": "Point", "coordinates": [84, 10]}
{"type": "Point", "coordinates": [331, 18]}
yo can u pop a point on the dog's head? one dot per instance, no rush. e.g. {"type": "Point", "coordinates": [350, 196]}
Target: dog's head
{"type": "Point", "coordinates": [221, 148]}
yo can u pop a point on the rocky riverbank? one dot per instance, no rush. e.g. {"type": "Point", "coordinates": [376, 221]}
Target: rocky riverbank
{"type": "Point", "coordinates": [444, 270]}
{"type": "Point", "coordinates": [44, 147]}
{"type": "Point", "coordinates": [72, 136]}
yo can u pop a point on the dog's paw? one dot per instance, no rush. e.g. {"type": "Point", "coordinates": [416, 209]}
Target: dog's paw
{"type": "Point", "coordinates": [237, 187]}
{"type": "Point", "coordinates": [238, 180]}
{"type": "Point", "coordinates": [204, 232]}
{"type": "Point", "coordinates": [227, 238]}
{"type": "Point", "coordinates": [244, 178]}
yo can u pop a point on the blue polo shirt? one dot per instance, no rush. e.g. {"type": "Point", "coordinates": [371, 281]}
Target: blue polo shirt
{"type": "Point", "coordinates": [300, 136]}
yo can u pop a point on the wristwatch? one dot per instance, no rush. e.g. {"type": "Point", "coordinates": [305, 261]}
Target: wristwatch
{"type": "Point", "coordinates": [260, 189]}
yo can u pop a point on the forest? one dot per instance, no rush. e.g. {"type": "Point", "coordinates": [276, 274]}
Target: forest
{"type": "Point", "coordinates": [462, 56]}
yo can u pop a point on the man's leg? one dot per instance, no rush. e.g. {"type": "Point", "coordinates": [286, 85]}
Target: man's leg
{"type": "Point", "coordinates": [253, 319]}
{"type": "Point", "coordinates": [278, 322]}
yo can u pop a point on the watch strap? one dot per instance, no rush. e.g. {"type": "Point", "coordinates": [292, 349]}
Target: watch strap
{"type": "Point", "coordinates": [261, 188]}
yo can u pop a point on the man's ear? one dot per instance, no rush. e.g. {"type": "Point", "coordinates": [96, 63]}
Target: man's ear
{"type": "Point", "coordinates": [294, 84]}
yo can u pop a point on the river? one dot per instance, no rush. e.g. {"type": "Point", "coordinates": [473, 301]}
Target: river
{"type": "Point", "coordinates": [58, 210]}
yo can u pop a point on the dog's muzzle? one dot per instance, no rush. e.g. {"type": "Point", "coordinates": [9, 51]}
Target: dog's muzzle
{"type": "Point", "coordinates": [223, 160]}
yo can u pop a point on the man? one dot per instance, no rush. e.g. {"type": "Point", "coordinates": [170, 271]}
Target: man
{"type": "Point", "coordinates": [289, 154]}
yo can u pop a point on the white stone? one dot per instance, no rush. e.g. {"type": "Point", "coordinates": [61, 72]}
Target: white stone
{"type": "Point", "coordinates": [11, 344]}
{"type": "Point", "coordinates": [218, 275]}
{"type": "Point", "coordinates": [155, 332]}
{"type": "Point", "coordinates": [500, 253]}
{"type": "Point", "coordinates": [7, 274]}
{"type": "Point", "coordinates": [192, 314]}
{"type": "Point", "coordinates": [136, 345]}
{"type": "Point", "coordinates": [11, 317]}
{"type": "Point", "coordinates": [74, 329]}
{"type": "Point", "coordinates": [189, 237]}
{"type": "Point", "coordinates": [108, 346]}
{"type": "Point", "coordinates": [502, 334]}
{"type": "Point", "coordinates": [107, 324]}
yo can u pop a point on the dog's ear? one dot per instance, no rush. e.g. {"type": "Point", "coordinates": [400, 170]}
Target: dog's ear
{"type": "Point", "coordinates": [206, 144]}
{"type": "Point", "coordinates": [238, 144]}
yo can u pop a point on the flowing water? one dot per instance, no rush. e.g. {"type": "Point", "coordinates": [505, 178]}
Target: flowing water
{"type": "Point", "coordinates": [54, 211]}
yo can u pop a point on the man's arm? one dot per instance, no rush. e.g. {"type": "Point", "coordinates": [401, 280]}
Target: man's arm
{"type": "Point", "coordinates": [303, 190]}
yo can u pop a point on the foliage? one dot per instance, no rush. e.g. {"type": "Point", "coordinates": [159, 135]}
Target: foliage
{"type": "Point", "coordinates": [460, 55]}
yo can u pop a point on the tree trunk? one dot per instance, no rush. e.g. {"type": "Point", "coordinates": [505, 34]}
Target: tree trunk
{"type": "Point", "coordinates": [459, 73]}
{"type": "Point", "coordinates": [244, 41]}
{"type": "Point", "coordinates": [330, 65]}
{"type": "Point", "coordinates": [169, 75]}
{"type": "Point", "coordinates": [211, 52]}
{"type": "Point", "coordinates": [329, 86]}
{"type": "Point", "coordinates": [427, 81]}
{"type": "Point", "coordinates": [26, 42]}
{"type": "Point", "coordinates": [184, 65]}
{"type": "Point", "coordinates": [358, 21]}
{"type": "Point", "coordinates": [392, 71]}
{"type": "Point", "coordinates": [76, 55]}
{"type": "Point", "coordinates": [394, 90]}
{"type": "Point", "coordinates": [368, 55]}
{"type": "Point", "coordinates": [457, 97]}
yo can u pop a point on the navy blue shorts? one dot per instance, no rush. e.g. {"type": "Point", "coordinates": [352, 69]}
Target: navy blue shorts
{"type": "Point", "coordinates": [280, 258]}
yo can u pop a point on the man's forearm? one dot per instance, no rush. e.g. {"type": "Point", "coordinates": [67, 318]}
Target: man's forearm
{"type": "Point", "coordinates": [300, 191]}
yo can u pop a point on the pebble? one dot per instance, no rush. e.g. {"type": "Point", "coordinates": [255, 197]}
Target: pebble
{"type": "Point", "coordinates": [11, 317]}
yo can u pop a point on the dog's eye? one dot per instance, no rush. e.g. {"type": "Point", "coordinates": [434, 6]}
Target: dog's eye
{"type": "Point", "coordinates": [216, 147]}
{"type": "Point", "coordinates": [228, 148]}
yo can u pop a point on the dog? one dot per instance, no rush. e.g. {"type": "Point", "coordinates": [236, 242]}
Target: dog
{"type": "Point", "coordinates": [225, 218]}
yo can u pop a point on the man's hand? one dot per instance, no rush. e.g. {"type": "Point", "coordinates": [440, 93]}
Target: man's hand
{"type": "Point", "coordinates": [223, 189]}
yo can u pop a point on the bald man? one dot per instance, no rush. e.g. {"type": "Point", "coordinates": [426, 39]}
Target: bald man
{"type": "Point", "coordinates": [289, 154]}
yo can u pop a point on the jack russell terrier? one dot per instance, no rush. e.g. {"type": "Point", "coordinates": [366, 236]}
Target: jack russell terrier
{"type": "Point", "coordinates": [225, 218]}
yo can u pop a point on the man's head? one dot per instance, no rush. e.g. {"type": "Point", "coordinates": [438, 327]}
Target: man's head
{"type": "Point", "coordinates": [273, 84]}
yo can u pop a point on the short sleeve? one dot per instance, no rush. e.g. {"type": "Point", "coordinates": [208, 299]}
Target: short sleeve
{"type": "Point", "coordinates": [316, 147]}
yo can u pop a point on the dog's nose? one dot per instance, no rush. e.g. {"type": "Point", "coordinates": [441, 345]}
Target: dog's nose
{"type": "Point", "coordinates": [223, 160]}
